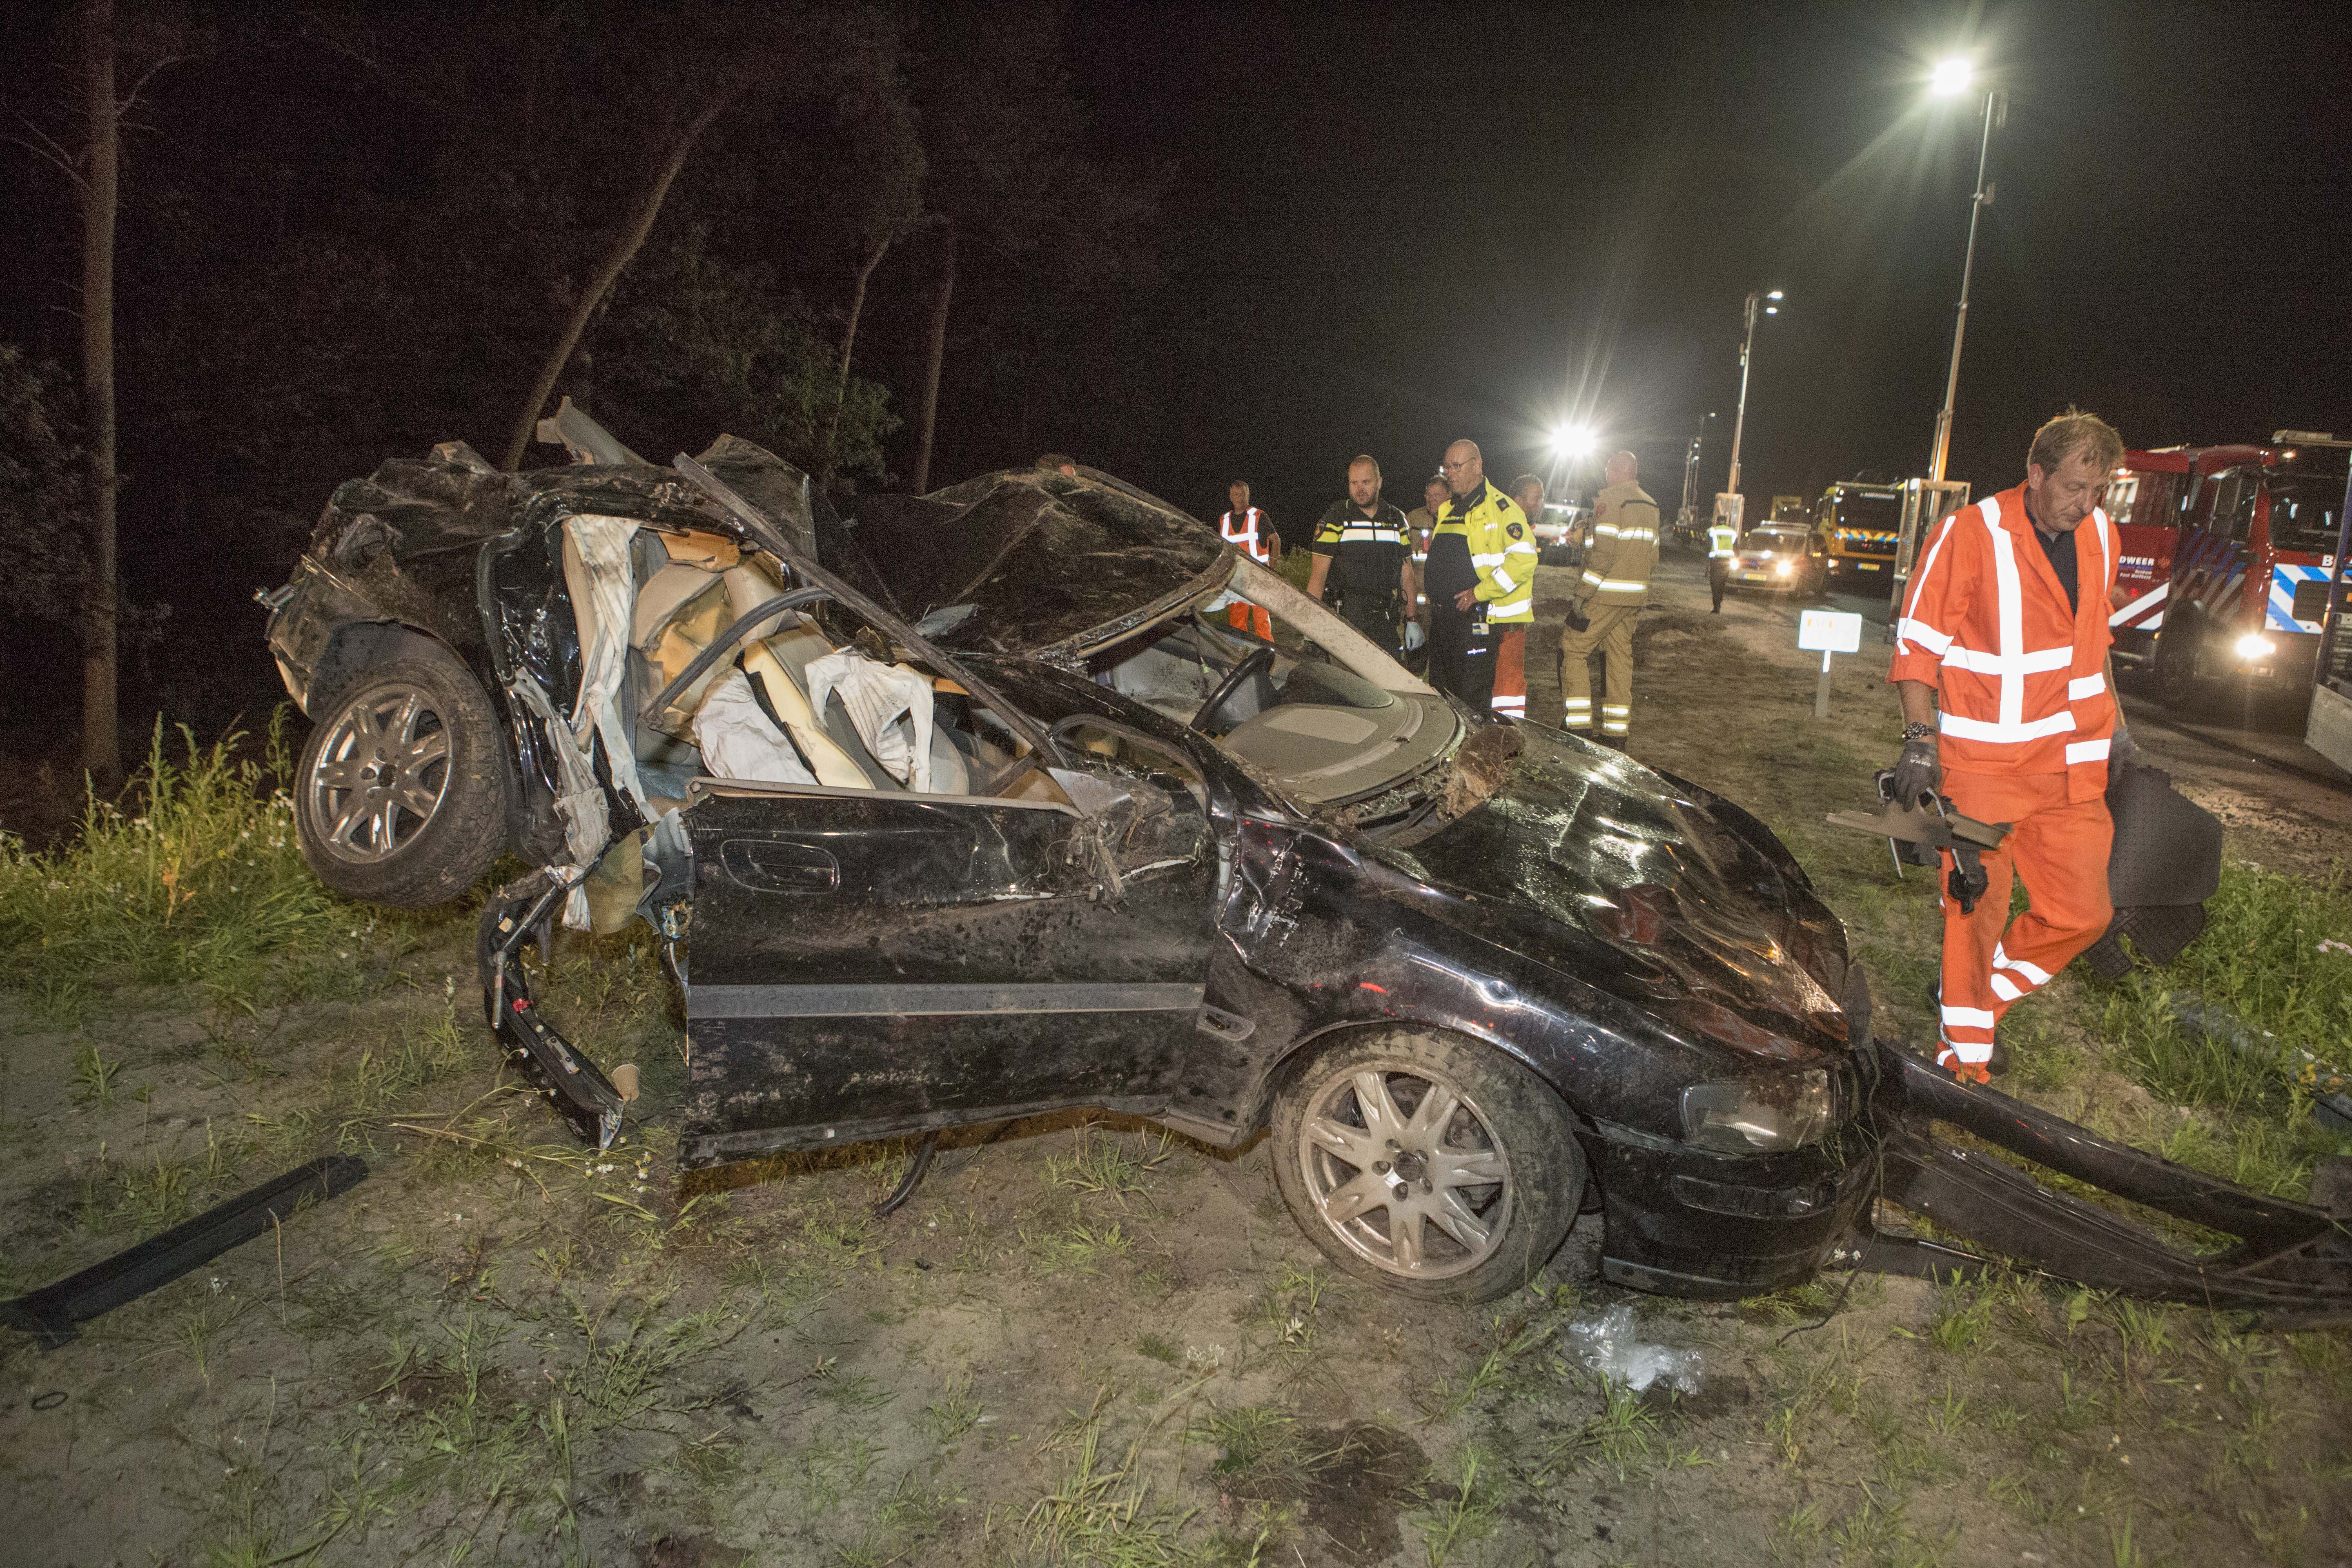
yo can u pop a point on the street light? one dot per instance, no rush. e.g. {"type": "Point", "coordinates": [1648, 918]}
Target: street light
{"type": "Point", "coordinates": [1739, 421]}
{"type": "Point", "coordinates": [1574, 442]}
{"type": "Point", "coordinates": [1952, 78]}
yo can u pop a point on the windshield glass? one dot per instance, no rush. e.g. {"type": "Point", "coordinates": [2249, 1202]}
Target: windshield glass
{"type": "Point", "coordinates": [1872, 514]}
{"type": "Point", "coordinates": [1318, 709]}
{"type": "Point", "coordinates": [2307, 510]}
{"type": "Point", "coordinates": [1773, 542]}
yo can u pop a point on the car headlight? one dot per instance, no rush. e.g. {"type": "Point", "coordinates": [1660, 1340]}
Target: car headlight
{"type": "Point", "coordinates": [2254, 646]}
{"type": "Point", "coordinates": [1766, 1114]}
{"type": "Point", "coordinates": [1785, 567]}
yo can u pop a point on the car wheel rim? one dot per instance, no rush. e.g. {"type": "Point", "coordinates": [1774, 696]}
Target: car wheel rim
{"type": "Point", "coordinates": [1406, 1170]}
{"type": "Point", "coordinates": [381, 777]}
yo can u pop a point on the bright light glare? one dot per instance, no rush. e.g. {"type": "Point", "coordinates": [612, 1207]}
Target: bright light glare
{"type": "Point", "coordinates": [1574, 440]}
{"type": "Point", "coordinates": [2254, 646]}
{"type": "Point", "coordinates": [1773, 295]}
{"type": "Point", "coordinates": [1952, 77]}
{"type": "Point", "coordinates": [1771, 309]}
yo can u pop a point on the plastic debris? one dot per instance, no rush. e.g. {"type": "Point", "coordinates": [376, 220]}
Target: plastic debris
{"type": "Point", "coordinates": [1609, 1347]}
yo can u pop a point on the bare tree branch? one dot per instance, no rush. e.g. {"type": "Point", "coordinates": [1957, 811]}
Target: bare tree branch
{"type": "Point", "coordinates": [47, 150]}
{"type": "Point", "coordinates": [624, 251]}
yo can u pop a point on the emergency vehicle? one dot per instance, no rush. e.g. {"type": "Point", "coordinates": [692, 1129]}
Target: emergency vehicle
{"type": "Point", "coordinates": [2143, 503]}
{"type": "Point", "coordinates": [1858, 526]}
{"type": "Point", "coordinates": [2236, 589]}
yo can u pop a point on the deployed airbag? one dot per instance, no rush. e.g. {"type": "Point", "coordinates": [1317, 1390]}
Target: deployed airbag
{"type": "Point", "coordinates": [888, 704]}
{"type": "Point", "coordinates": [737, 740]}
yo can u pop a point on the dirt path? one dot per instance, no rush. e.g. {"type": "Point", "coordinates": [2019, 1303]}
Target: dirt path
{"type": "Point", "coordinates": [1077, 1343]}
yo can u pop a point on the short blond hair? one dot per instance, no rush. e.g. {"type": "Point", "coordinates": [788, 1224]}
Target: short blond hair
{"type": "Point", "coordinates": [2071, 433]}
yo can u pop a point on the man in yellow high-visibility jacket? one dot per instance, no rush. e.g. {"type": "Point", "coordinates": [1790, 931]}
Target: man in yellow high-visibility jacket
{"type": "Point", "coordinates": [1722, 540]}
{"type": "Point", "coordinates": [1481, 576]}
{"type": "Point", "coordinates": [1616, 585]}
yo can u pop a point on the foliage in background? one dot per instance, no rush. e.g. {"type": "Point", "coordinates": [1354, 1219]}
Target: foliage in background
{"type": "Point", "coordinates": [42, 490]}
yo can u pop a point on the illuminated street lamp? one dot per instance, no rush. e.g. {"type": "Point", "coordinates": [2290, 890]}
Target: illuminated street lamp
{"type": "Point", "coordinates": [1952, 78]}
{"type": "Point", "coordinates": [1574, 442]}
{"type": "Point", "coordinates": [1771, 303]}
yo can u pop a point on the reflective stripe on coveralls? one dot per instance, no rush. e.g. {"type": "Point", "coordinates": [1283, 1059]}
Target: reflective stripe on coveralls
{"type": "Point", "coordinates": [1624, 547]}
{"type": "Point", "coordinates": [2020, 675]}
{"type": "Point", "coordinates": [1245, 536]}
{"type": "Point", "coordinates": [2026, 720]}
{"type": "Point", "coordinates": [2059, 847]}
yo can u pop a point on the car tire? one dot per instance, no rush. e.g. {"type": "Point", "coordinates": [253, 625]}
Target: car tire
{"type": "Point", "coordinates": [401, 794]}
{"type": "Point", "coordinates": [1476, 1238]}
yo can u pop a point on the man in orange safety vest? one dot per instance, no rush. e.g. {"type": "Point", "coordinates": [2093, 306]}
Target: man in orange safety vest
{"type": "Point", "coordinates": [1248, 530]}
{"type": "Point", "coordinates": [2000, 659]}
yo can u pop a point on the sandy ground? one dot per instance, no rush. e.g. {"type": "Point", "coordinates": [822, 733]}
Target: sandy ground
{"type": "Point", "coordinates": [1079, 1341]}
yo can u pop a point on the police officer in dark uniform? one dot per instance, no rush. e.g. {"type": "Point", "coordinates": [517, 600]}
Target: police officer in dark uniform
{"type": "Point", "coordinates": [1365, 535]}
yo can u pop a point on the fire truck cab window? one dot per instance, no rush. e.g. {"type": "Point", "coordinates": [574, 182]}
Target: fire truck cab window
{"type": "Point", "coordinates": [2232, 509]}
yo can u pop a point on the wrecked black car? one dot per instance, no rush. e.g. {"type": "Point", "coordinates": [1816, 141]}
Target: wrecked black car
{"type": "Point", "coordinates": [977, 804]}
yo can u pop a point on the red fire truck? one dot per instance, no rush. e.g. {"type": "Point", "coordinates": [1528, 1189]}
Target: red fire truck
{"type": "Point", "coordinates": [2226, 557]}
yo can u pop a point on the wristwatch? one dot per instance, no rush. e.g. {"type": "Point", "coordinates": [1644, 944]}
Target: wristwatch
{"type": "Point", "coordinates": [1917, 732]}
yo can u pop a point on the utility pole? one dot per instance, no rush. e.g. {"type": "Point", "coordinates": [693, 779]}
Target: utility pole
{"type": "Point", "coordinates": [1995, 109]}
{"type": "Point", "coordinates": [1747, 343]}
{"type": "Point", "coordinates": [1690, 467]}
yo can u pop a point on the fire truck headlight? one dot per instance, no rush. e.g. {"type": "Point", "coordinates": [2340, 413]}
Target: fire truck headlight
{"type": "Point", "coordinates": [2254, 646]}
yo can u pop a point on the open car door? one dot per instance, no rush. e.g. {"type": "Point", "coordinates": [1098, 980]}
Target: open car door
{"type": "Point", "coordinates": [863, 965]}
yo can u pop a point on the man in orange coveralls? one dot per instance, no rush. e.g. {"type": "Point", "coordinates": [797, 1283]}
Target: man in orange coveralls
{"type": "Point", "coordinates": [2000, 658]}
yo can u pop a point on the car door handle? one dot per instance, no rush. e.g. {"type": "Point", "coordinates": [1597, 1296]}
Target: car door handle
{"type": "Point", "coordinates": [780, 866]}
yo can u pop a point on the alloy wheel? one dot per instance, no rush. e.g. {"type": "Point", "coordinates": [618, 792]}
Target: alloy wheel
{"type": "Point", "coordinates": [1406, 1170]}
{"type": "Point", "coordinates": [381, 775]}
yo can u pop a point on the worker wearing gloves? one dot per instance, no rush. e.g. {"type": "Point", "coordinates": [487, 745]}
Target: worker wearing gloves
{"type": "Point", "coordinates": [1615, 585]}
{"type": "Point", "coordinates": [1365, 536]}
{"type": "Point", "coordinates": [1481, 576]}
{"type": "Point", "coordinates": [2000, 659]}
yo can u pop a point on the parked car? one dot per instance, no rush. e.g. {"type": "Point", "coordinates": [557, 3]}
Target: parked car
{"type": "Point", "coordinates": [977, 804]}
{"type": "Point", "coordinates": [1560, 534]}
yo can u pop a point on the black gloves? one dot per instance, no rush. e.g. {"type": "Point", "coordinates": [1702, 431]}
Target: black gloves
{"type": "Point", "coordinates": [1917, 771]}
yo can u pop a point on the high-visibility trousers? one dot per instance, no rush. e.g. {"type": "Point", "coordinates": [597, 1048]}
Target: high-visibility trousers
{"type": "Point", "coordinates": [1244, 617]}
{"type": "Point", "coordinates": [1510, 697]}
{"type": "Point", "coordinates": [1991, 962]}
{"type": "Point", "coordinates": [1610, 630]}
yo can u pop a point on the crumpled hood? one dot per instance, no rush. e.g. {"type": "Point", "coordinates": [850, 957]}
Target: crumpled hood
{"type": "Point", "coordinates": [1651, 890]}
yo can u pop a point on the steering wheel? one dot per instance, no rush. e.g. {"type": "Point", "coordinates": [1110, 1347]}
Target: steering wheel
{"type": "Point", "coordinates": [1255, 666]}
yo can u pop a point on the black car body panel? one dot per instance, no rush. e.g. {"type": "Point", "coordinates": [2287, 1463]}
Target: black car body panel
{"type": "Point", "coordinates": [1164, 927]}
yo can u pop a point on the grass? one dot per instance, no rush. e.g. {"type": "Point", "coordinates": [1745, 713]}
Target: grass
{"type": "Point", "coordinates": [194, 876]}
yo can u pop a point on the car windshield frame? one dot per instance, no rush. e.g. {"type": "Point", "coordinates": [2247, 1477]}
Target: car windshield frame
{"type": "Point", "coordinates": [1762, 540]}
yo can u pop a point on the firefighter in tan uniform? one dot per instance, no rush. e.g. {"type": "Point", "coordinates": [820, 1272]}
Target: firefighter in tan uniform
{"type": "Point", "coordinates": [1616, 585]}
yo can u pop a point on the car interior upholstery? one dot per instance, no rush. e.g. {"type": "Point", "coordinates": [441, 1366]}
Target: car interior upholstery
{"type": "Point", "coordinates": [691, 589]}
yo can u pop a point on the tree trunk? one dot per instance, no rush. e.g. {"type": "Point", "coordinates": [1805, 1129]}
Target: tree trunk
{"type": "Point", "coordinates": [101, 745]}
{"type": "Point", "coordinates": [848, 341]}
{"type": "Point", "coordinates": [624, 249]}
{"type": "Point", "coordinates": [928, 420]}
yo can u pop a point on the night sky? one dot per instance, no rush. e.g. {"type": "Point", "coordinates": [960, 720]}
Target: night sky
{"type": "Point", "coordinates": [1377, 227]}
{"type": "Point", "coordinates": [1391, 225]}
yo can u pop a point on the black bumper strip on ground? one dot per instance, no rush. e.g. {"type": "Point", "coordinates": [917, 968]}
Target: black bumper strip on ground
{"type": "Point", "coordinates": [931, 1001]}
{"type": "Point", "coordinates": [52, 1313]}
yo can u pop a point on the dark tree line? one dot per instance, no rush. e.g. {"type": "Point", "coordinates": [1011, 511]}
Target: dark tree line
{"type": "Point", "coordinates": [869, 236]}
